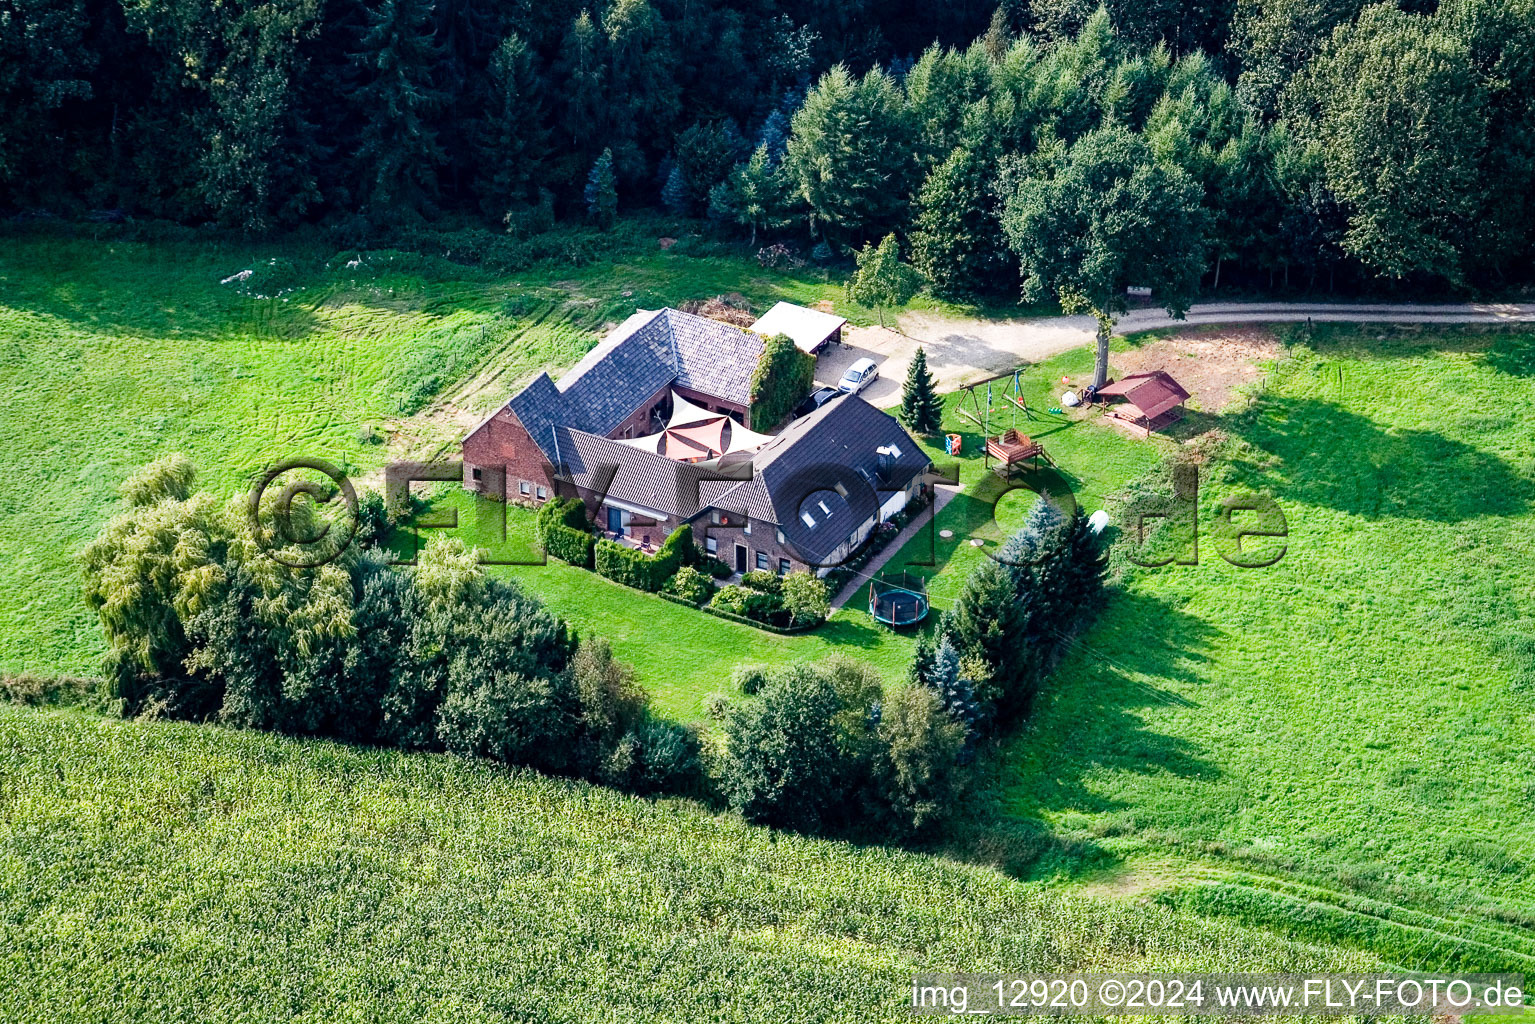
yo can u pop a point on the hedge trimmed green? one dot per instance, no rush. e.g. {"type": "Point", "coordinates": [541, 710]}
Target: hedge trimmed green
{"type": "Point", "coordinates": [562, 530]}
{"type": "Point", "coordinates": [641, 571]}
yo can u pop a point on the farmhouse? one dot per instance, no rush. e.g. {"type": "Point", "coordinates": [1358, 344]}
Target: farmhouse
{"type": "Point", "coordinates": [652, 429]}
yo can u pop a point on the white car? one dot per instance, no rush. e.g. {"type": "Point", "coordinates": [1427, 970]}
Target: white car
{"type": "Point", "coordinates": [858, 376]}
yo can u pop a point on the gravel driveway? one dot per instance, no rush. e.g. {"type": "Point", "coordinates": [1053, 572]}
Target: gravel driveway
{"type": "Point", "coordinates": [960, 349]}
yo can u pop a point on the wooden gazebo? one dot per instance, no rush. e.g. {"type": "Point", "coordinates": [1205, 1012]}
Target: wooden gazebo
{"type": "Point", "coordinates": [1012, 448]}
{"type": "Point", "coordinates": [1150, 400]}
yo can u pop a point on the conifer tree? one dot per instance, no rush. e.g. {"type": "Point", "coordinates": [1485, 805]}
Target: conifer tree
{"type": "Point", "coordinates": [602, 191]}
{"type": "Point", "coordinates": [956, 692]}
{"type": "Point", "coordinates": [512, 139]}
{"type": "Point", "coordinates": [398, 153]}
{"type": "Point", "coordinates": [675, 192]}
{"type": "Point", "coordinates": [850, 152]}
{"type": "Point", "coordinates": [921, 408]}
{"type": "Point", "coordinates": [958, 243]}
{"type": "Point", "coordinates": [987, 622]}
{"type": "Point", "coordinates": [752, 195]}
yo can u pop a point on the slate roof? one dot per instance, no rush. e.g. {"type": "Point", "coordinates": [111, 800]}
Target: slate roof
{"type": "Point", "coordinates": [830, 456]}
{"type": "Point", "coordinates": [713, 357]}
{"type": "Point", "coordinates": [620, 374]}
{"type": "Point", "coordinates": [541, 409]}
{"type": "Point", "coordinates": [648, 352]}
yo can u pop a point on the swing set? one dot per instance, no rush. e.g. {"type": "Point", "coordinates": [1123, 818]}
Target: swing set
{"type": "Point", "coordinates": [1009, 448]}
{"type": "Point", "coordinates": [970, 404]}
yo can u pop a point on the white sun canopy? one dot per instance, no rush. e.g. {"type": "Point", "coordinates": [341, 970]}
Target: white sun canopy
{"type": "Point", "coordinates": [693, 432]}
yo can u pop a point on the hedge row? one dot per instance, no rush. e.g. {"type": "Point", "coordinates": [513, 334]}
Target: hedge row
{"type": "Point", "coordinates": [641, 571]}
{"type": "Point", "coordinates": [562, 530]}
{"type": "Point", "coordinates": [803, 627]}
{"type": "Point", "coordinates": [570, 545]}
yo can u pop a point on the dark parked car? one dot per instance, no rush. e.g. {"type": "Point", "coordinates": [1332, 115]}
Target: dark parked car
{"type": "Point", "coordinates": [817, 399]}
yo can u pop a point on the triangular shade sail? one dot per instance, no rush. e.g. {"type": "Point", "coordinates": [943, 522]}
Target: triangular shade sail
{"type": "Point", "coordinates": [693, 433]}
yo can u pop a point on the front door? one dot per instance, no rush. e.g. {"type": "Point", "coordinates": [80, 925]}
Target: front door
{"type": "Point", "coordinates": [615, 521]}
{"type": "Point", "coordinates": [740, 558]}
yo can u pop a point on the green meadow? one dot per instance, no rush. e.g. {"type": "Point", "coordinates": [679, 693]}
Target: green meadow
{"type": "Point", "coordinates": [1342, 744]}
{"type": "Point", "coordinates": [1250, 767]}
{"type": "Point", "coordinates": [113, 352]}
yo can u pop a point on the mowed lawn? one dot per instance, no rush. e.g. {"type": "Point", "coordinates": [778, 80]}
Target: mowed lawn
{"type": "Point", "coordinates": [113, 353]}
{"type": "Point", "coordinates": [1342, 744]}
{"type": "Point", "coordinates": [159, 871]}
{"type": "Point", "coordinates": [683, 655]}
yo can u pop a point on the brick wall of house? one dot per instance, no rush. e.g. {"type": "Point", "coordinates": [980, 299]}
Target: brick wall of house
{"type": "Point", "coordinates": [639, 423]}
{"type": "Point", "coordinates": [502, 445]}
{"type": "Point", "coordinates": [741, 413]}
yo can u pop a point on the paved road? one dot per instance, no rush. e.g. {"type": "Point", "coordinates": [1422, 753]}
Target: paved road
{"type": "Point", "coordinates": [965, 349]}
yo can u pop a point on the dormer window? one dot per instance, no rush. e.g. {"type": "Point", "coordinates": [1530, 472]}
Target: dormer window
{"type": "Point", "coordinates": [808, 519]}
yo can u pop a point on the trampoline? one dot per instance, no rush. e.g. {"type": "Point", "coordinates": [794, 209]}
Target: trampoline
{"type": "Point", "coordinates": [899, 599]}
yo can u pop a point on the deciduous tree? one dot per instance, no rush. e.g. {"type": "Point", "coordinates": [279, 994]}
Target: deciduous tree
{"type": "Point", "coordinates": [1105, 215]}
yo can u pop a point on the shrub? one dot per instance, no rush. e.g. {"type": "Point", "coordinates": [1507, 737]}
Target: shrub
{"type": "Point", "coordinates": [716, 567]}
{"type": "Point", "coordinates": [749, 679]}
{"type": "Point", "coordinates": [784, 763]}
{"type": "Point", "coordinates": [610, 702]}
{"type": "Point", "coordinates": [763, 580]}
{"type": "Point", "coordinates": [563, 531]}
{"type": "Point", "coordinates": [504, 715]}
{"type": "Point", "coordinates": [676, 551]}
{"type": "Point", "coordinates": [52, 691]}
{"type": "Point", "coordinates": [669, 758]}
{"type": "Point", "coordinates": [690, 585]}
{"type": "Point", "coordinates": [373, 523]}
{"type": "Point", "coordinates": [753, 604]}
{"type": "Point", "coordinates": [805, 598]}
{"type": "Point", "coordinates": [635, 568]}
{"type": "Point", "coordinates": [918, 777]}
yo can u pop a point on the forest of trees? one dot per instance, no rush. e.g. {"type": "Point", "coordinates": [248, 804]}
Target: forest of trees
{"type": "Point", "coordinates": [1307, 142]}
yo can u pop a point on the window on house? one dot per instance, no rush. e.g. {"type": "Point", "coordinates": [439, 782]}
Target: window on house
{"type": "Point", "coordinates": [783, 567]}
{"type": "Point", "coordinates": [524, 488]}
{"type": "Point", "coordinates": [823, 507]}
{"type": "Point", "coordinates": [476, 472]}
{"type": "Point", "coordinates": [543, 494]}
{"type": "Point", "coordinates": [808, 519]}
{"type": "Point", "coordinates": [762, 560]}
{"type": "Point", "coordinates": [746, 527]}
{"type": "Point", "coordinates": [712, 545]}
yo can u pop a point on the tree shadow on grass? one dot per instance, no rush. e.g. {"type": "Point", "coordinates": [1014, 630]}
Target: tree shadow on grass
{"type": "Point", "coordinates": [1324, 455]}
{"type": "Point", "coordinates": [849, 630]}
{"type": "Point", "coordinates": [1089, 726]}
{"type": "Point", "coordinates": [1513, 353]}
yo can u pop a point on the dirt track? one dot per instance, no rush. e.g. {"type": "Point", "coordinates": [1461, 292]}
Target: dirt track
{"type": "Point", "coordinates": [963, 349]}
